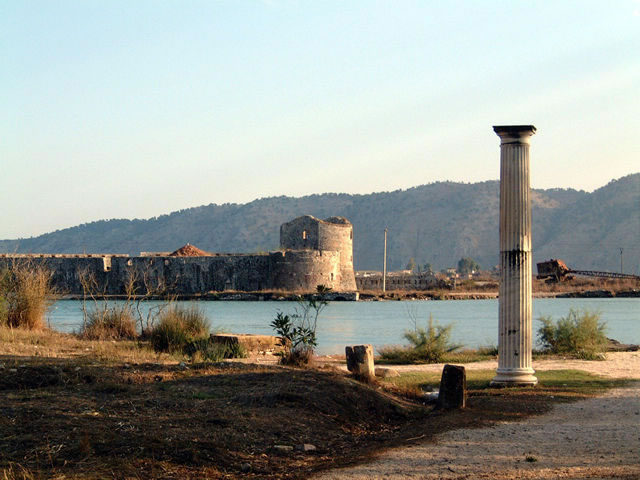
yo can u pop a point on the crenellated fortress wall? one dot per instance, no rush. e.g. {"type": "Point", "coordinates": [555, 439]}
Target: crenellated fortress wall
{"type": "Point", "coordinates": [313, 252]}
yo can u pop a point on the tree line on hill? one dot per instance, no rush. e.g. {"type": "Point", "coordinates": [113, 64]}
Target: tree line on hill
{"type": "Point", "coordinates": [435, 224]}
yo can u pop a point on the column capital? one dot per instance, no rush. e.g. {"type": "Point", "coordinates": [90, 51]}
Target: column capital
{"type": "Point", "coordinates": [515, 133]}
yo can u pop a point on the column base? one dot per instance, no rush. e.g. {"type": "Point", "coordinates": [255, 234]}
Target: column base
{"type": "Point", "coordinates": [514, 377]}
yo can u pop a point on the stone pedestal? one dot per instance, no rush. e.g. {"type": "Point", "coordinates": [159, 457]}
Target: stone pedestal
{"type": "Point", "coordinates": [514, 328]}
{"type": "Point", "coordinates": [453, 387]}
{"type": "Point", "coordinates": [360, 361]}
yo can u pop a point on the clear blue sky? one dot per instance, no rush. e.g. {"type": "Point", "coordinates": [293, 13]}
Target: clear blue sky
{"type": "Point", "coordinates": [121, 109]}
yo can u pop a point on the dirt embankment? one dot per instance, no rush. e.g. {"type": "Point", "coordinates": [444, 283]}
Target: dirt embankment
{"type": "Point", "coordinates": [71, 408]}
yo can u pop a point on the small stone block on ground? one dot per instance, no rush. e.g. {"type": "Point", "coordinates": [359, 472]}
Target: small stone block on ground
{"type": "Point", "coordinates": [453, 387]}
{"type": "Point", "coordinates": [252, 343]}
{"type": "Point", "coordinates": [384, 372]}
{"type": "Point", "coordinates": [283, 448]}
{"type": "Point", "coordinates": [306, 447]}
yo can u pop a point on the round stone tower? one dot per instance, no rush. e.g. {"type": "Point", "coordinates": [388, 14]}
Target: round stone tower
{"type": "Point", "coordinates": [333, 238]}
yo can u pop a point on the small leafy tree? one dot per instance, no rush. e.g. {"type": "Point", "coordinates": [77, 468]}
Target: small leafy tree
{"type": "Point", "coordinates": [467, 265]}
{"type": "Point", "coordinates": [579, 333]}
{"type": "Point", "coordinates": [298, 330]}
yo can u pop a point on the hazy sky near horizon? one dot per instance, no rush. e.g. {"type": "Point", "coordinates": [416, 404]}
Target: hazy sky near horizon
{"type": "Point", "coordinates": [119, 109]}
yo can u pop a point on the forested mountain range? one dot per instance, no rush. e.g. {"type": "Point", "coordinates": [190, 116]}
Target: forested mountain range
{"type": "Point", "coordinates": [436, 223]}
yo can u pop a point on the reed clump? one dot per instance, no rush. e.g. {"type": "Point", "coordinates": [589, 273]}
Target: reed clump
{"type": "Point", "coordinates": [26, 294]}
{"type": "Point", "coordinates": [115, 322]}
{"type": "Point", "coordinates": [177, 327]}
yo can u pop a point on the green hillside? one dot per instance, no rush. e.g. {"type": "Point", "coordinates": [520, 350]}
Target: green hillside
{"type": "Point", "coordinates": [436, 223]}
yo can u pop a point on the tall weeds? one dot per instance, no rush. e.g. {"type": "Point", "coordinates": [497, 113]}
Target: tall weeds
{"type": "Point", "coordinates": [25, 295]}
{"type": "Point", "coordinates": [115, 322]}
{"type": "Point", "coordinates": [177, 327]}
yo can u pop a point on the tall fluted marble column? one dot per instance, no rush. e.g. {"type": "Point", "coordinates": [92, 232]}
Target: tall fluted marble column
{"type": "Point", "coordinates": [514, 328]}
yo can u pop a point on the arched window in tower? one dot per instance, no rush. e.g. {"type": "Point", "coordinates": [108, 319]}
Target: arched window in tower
{"type": "Point", "coordinates": [304, 234]}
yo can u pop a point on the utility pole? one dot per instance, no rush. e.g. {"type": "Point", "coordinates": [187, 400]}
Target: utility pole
{"type": "Point", "coordinates": [621, 250]}
{"type": "Point", "coordinates": [384, 264]}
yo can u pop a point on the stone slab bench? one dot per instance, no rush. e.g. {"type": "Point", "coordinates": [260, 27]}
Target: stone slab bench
{"type": "Point", "coordinates": [260, 344]}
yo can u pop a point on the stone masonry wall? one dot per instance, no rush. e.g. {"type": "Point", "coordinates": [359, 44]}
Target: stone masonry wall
{"type": "Point", "coordinates": [181, 275]}
{"type": "Point", "coordinates": [304, 270]}
{"type": "Point", "coordinates": [334, 234]}
{"type": "Point", "coordinates": [300, 234]}
{"type": "Point", "coordinates": [315, 252]}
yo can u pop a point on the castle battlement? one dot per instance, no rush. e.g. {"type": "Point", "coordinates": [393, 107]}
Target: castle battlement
{"type": "Point", "coordinates": [313, 252]}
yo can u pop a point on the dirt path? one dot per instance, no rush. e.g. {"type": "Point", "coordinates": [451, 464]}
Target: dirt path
{"type": "Point", "coordinates": [617, 365]}
{"type": "Point", "coordinates": [595, 438]}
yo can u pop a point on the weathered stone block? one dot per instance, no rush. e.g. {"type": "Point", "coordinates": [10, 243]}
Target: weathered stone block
{"type": "Point", "coordinates": [384, 372]}
{"type": "Point", "coordinates": [453, 387]}
{"type": "Point", "coordinates": [360, 361]}
{"type": "Point", "coordinates": [251, 343]}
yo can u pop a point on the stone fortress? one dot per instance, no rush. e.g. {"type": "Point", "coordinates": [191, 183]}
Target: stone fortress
{"type": "Point", "coordinates": [312, 252]}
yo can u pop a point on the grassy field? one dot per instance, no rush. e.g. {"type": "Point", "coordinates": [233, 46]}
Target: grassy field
{"type": "Point", "coordinates": [80, 409]}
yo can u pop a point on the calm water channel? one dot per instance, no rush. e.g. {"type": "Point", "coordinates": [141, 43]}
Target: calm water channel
{"type": "Point", "coordinates": [475, 322]}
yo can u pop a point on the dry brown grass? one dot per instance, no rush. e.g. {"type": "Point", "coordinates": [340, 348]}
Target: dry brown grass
{"type": "Point", "coordinates": [207, 421]}
{"type": "Point", "coordinates": [47, 344]}
{"type": "Point", "coordinates": [15, 471]}
{"type": "Point", "coordinates": [114, 409]}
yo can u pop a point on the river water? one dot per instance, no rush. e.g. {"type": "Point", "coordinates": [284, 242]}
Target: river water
{"type": "Point", "coordinates": [475, 322]}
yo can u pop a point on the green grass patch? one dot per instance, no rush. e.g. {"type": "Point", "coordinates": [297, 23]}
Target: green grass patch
{"type": "Point", "coordinates": [411, 356]}
{"type": "Point", "coordinates": [570, 382]}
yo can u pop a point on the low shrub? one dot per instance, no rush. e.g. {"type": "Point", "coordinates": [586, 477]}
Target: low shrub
{"type": "Point", "coordinates": [579, 333]}
{"type": "Point", "coordinates": [205, 349]}
{"type": "Point", "coordinates": [427, 345]}
{"type": "Point", "coordinates": [299, 357]}
{"type": "Point", "coordinates": [432, 343]}
{"type": "Point", "coordinates": [25, 295]}
{"type": "Point", "coordinates": [177, 327]}
{"type": "Point", "coordinates": [111, 323]}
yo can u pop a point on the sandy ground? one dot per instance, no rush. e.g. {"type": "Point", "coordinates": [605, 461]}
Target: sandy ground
{"type": "Point", "coordinates": [595, 438]}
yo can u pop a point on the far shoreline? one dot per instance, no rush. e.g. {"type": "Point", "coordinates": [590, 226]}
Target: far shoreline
{"type": "Point", "coordinates": [368, 296]}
